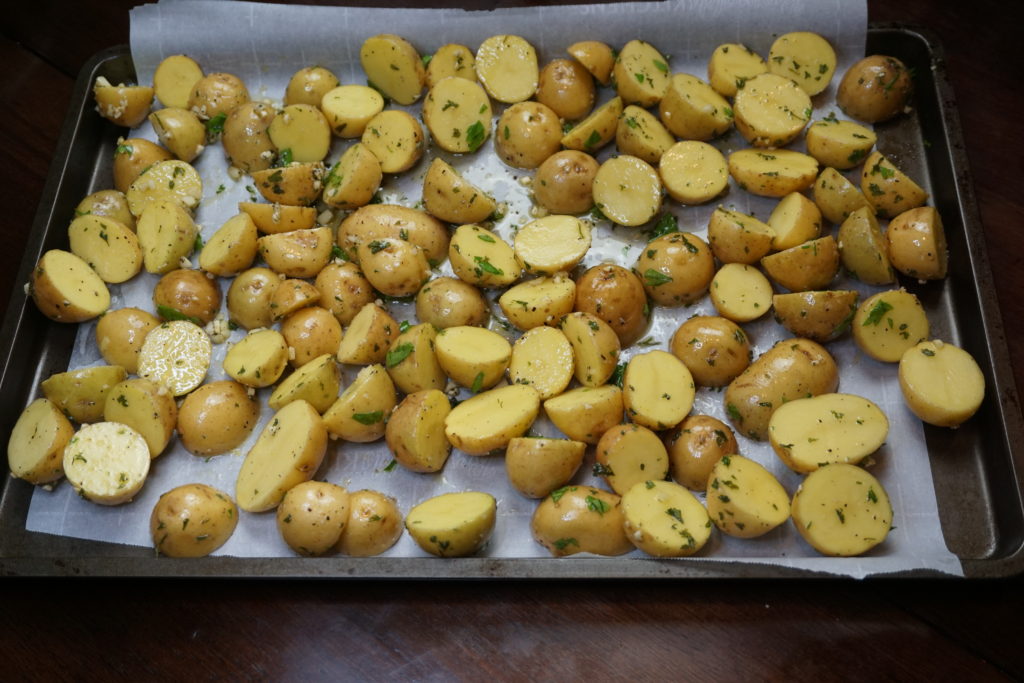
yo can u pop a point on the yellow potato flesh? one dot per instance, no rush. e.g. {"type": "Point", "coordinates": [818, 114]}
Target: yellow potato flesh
{"type": "Point", "coordinates": [453, 524]}
{"type": "Point", "coordinates": [809, 433]}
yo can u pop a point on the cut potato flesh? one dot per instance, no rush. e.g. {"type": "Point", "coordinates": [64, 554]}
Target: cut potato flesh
{"type": "Point", "coordinates": [552, 244]}
{"type": "Point", "coordinates": [457, 112]}
{"type": "Point", "coordinates": [303, 129]}
{"type": "Point", "coordinates": [166, 235]}
{"type": "Point", "coordinates": [81, 394]}
{"type": "Point", "coordinates": [597, 130]}
{"type": "Point", "coordinates": [664, 519]}
{"type": "Point", "coordinates": [692, 110]}
{"type": "Point", "coordinates": [627, 190]}
{"type": "Point", "coordinates": [744, 499]}
{"type": "Point", "coordinates": [658, 390]}
{"type": "Point", "coordinates": [771, 110]}
{"type": "Point", "coordinates": [731, 66]}
{"type": "Point", "coordinates": [890, 323]}
{"type": "Point", "coordinates": [795, 220]}
{"type": "Point", "coordinates": [772, 174]}
{"type": "Point", "coordinates": [507, 67]}
{"type": "Point", "coordinates": [488, 421]}
{"type": "Point", "coordinates": [258, 360]}
{"type": "Point", "coordinates": [107, 245]}
{"type": "Point", "coordinates": [740, 292]}
{"type": "Point", "coordinates": [453, 524]}
{"type": "Point", "coordinates": [693, 172]}
{"type": "Point", "coordinates": [450, 197]}
{"type": "Point", "coordinates": [585, 413]}
{"type": "Point", "coordinates": [396, 139]}
{"type": "Point", "coordinates": [630, 454]}
{"type": "Point", "coordinates": [349, 108]}
{"type": "Point", "coordinates": [107, 462]}
{"type": "Point", "coordinates": [842, 510]}
{"type": "Point", "coordinates": [415, 431]}
{"type": "Point", "coordinates": [941, 383]}
{"type": "Point", "coordinates": [474, 357]}
{"type": "Point", "coordinates": [146, 407]}
{"type": "Point", "coordinates": [177, 355]}
{"type": "Point", "coordinates": [839, 144]}
{"type": "Point", "coordinates": [174, 79]}
{"type": "Point", "coordinates": [66, 289]}
{"type": "Point", "coordinates": [36, 447]}
{"type": "Point", "coordinates": [316, 382]}
{"type": "Point", "coordinates": [737, 237]}
{"type": "Point", "coordinates": [360, 413]}
{"type": "Point", "coordinates": [173, 180]}
{"type": "Point", "coordinates": [806, 58]}
{"type": "Point", "coordinates": [543, 359]}
{"type": "Point", "coordinates": [809, 433]}
{"type": "Point", "coordinates": [271, 218]}
{"type": "Point", "coordinates": [392, 64]}
{"type": "Point", "coordinates": [641, 74]}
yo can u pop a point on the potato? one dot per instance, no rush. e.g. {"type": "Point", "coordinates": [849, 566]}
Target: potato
{"type": "Point", "coordinates": [597, 130]}
{"type": "Point", "coordinates": [540, 301]}
{"type": "Point", "coordinates": [232, 248]}
{"type": "Point", "coordinates": [451, 60]}
{"type": "Point", "coordinates": [123, 105]}
{"type": "Point", "coordinates": [552, 244]}
{"type": "Point", "coordinates": [81, 394]}
{"type": "Point", "coordinates": [693, 172]}
{"type": "Point", "coordinates": [818, 316]}
{"type": "Point", "coordinates": [309, 84]}
{"type": "Point", "coordinates": [489, 420]}
{"type": "Point", "coordinates": [715, 350]}
{"type": "Point", "coordinates": [543, 359]}
{"type": "Point", "coordinates": [349, 108]}
{"type": "Point", "coordinates": [536, 467]}
{"type": "Point", "coordinates": [616, 296]}
{"type": "Point", "coordinates": [167, 235]}
{"type": "Point", "coordinates": [863, 250]}
{"type": "Point", "coordinates": [842, 510]}
{"type": "Point", "coordinates": [595, 347]}
{"type": "Point", "coordinates": [368, 337]}
{"type": "Point", "coordinates": [176, 354]}
{"type": "Point", "coordinates": [695, 446]}
{"type": "Point", "coordinates": [299, 253]}
{"type": "Point", "coordinates": [109, 203]}
{"type": "Point", "coordinates": [449, 302]}
{"type": "Point", "coordinates": [692, 110]}
{"type": "Point", "coordinates": [580, 519]}
{"type": "Point", "coordinates": [37, 441]}
{"type": "Point", "coordinates": [792, 368]}
{"type": "Point", "coordinates": [312, 517]}
{"type": "Point", "coordinates": [917, 244]}
{"type": "Point", "coordinates": [411, 361]}
{"type": "Point", "coordinates": [809, 433]}
{"type": "Point", "coordinates": [394, 66]}
{"type": "Point", "coordinates": [173, 180]}
{"type": "Point", "coordinates": [66, 289]}
{"type": "Point", "coordinates": [642, 135]}
{"type": "Point", "coordinates": [174, 78]}
{"type": "Point", "coordinates": [740, 292]}
{"type": "Point", "coordinates": [415, 431]}
{"type": "Point", "coordinates": [317, 383]}
{"type": "Point", "coordinates": [453, 524]}
{"type": "Point", "coordinates": [804, 57]}
{"type": "Point", "coordinates": [836, 197]}
{"type": "Point", "coordinates": [744, 499]}
{"type": "Point", "coordinates": [772, 174]}
{"type": "Point", "coordinates": [108, 246]}
{"type": "Point", "coordinates": [888, 324]}
{"type": "Point", "coordinates": [119, 336]}
{"type": "Point", "coordinates": [480, 257]}
{"type": "Point", "coordinates": [627, 190]}
{"type": "Point", "coordinates": [506, 65]}
{"type": "Point", "coordinates": [374, 524]}
{"type": "Point", "coordinates": [344, 290]}
{"type": "Point", "coordinates": [941, 383]}
{"type": "Point", "coordinates": [737, 237]}
{"type": "Point", "coordinates": [473, 357]}
{"type": "Point", "coordinates": [564, 182]}
{"type": "Point", "coordinates": [246, 139]}
{"type": "Point", "coordinates": [771, 110]}
{"type": "Point", "coordinates": [795, 220]}
{"type": "Point", "coordinates": [180, 131]}
{"type": "Point", "coordinates": [131, 157]}
{"type": "Point", "coordinates": [353, 180]}
{"type": "Point", "coordinates": [216, 418]}
{"type": "Point", "coordinates": [192, 520]}
{"type": "Point", "coordinates": [188, 293]}
{"type": "Point", "coordinates": [250, 295]}
{"type": "Point", "coordinates": [377, 221]}
{"type": "Point", "coordinates": [811, 265]}
{"type": "Point", "coordinates": [676, 269]}
{"type": "Point", "coordinates": [839, 144]}
{"type": "Point", "coordinates": [288, 452]}
{"type": "Point", "coordinates": [360, 413]}
{"type": "Point", "coordinates": [393, 266]}
{"type": "Point", "coordinates": [527, 134]}
{"type": "Point", "coordinates": [293, 295]}
{"type": "Point", "coordinates": [875, 89]}
{"type": "Point", "coordinates": [641, 74]}
{"type": "Point", "coordinates": [596, 57]}
{"type": "Point", "coordinates": [146, 407]}
{"type": "Point", "coordinates": [664, 519]}
{"type": "Point", "coordinates": [657, 390]}
{"type": "Point", "coordinates": [217, 94]}
{"type": "Point", "coordinates": [889, 190]}
{"type": "Point", "coordinates": [585, 413]}
{"type": "Point", "coordinates": [258, 360]}
{"type": "Point", "coordinates": [629, 454]}
{"type": "Point", "coordinates": [458, 114]}
{"type": "Point", "coordinates": [567, 88]}
{"type": "Point", "coordinates": [450, 197]}
{"type": "Point", "coordinates": [303, 131]}
{"type": "Point", "coordinates": [106, 463]}
{"type": "Point", "coordinates": [310, 333]}
{"type": "Point", "coordinates": [396, 139]}
{"type": "Point", "coordinates": [731, 65]}
{"type": "Point", "coordinates": [298, 184]}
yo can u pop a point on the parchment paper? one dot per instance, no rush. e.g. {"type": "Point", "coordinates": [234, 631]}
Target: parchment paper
{"type": "Point", "coordinates": [265, 44]}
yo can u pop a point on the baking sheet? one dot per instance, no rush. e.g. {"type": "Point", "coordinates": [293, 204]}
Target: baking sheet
{"type": "Point", "coordinates": [902, 465]}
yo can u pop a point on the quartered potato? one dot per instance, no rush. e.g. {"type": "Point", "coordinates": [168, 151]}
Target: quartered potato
{"type": "Point", "coordinates": [36, 447]}
{"type": "Point", "coordinates": [616, 296]}
{"type": "Point", "coordinates": [839, 144]}
{"type": "Point", "coordinates": [312, 517]}
{"type": "Point", "coordinates": [842, 510]}
{"type": "Point", "coordinates": [176, 354]}
{"type": "Point", "coordinates": [552, 244]}
{"type": "Point", "coordinates": [676, 268]}
{"type": "Point", "coordinates": [174, 78]}
{"type": "Point", "coordinates": [744, 499]}
{"type": "Point", "coordinates": [452, 198]}
{"type": "Point", "coordinates": [109, 203]}
{"type": "Point", "coordinates": [657, 390]}
{"type": "Point", "coordinates": [889, 190]}
{"type": "Point", "coordinates": [394, 66]}
{"type": "Point", "coordinates": [731, 66]}
{"type": "Point", "coordinates": [664, 519]}
{"type": "Point", "coordinates": [106, 463]}
{"type": "Point", "coordinates": [299, 253]}
{"type": "Point", "coordinates": [374, 524]}
{"type": "Point", "coordinates": [597, 130]}
{"type": "Point", "coordinates": [292, 295]}
{"type": "Point", "coordinates": [411, 361]}
{"type": "Point", "coordinates": [349, 108]}
{"type": "Point", "coordinates": [273, 218]}
{"type": "Point", "coordinates": [693, 172]}
{"type": "Point", "coordinates": [216, 418]}
{"type": "Point", "coordinates": [540, 301]}
{"type": "Point", "coordinates": [740, 292]}
{"type": "Point", "coordinates": [491, 419]}
{"type": "Point", "coordinates": [941, 383]}
{"type": "Point", "coordinates": [368, 337]}
{"type": "Point", "coordinates": [66, 289]}
{"type": "Point", "coordinates": [888, 324]}
{"type": "Point", "coordinates": [737, 237]}
{"type": "Point", "coordinates": [451, 60]}
{"type": "Point", "coordinates": [695, 446]}
{"type": "Point", "coordinates": [124, 105]}
{"type": "Point", "coordinates": [303, 130]}
{"type": "Point", "coordinates": [917, 244]}
{"type": "Point", "coordinates": [507, 67]}
{"type": "Point", "coordinates": [453, 524]}
{"type": "Point", "coordinates": [309, 84]}
{"type": "Point", "coordinates": [629, 454]}
{"type": "Point", "coordinates": [457, 113]}
{"type": "Point", "coordinates": [805, 58]}
{"type": "Point", "coordinates": [120, 334]}
{"type": "Point", "coordinates": [811, 265]}
{"type": "Point", "coordinates": [542, 358]}
{"type": "Point", "coordinates": [771, 110]}
{"type": "Point", "coordinates": [232, 248]}
{"type": "Point", "coordinates": [772, 173]}
{"type": "Point", "coordinates": [415, 431]}
{"type": "Point", "coordinates": [580, 519]}
{"type": "Point", "coordinates": [586, 413]}
{"type": "Point", "coordinates": [809, 433]}
{"type": "Point", "coordinates": [538, 466]}
{"type": "Point", "coordinates": [712, 348]}
{"type": "Point", "coordinates": [627, 190]}
{"type": "Point", "coordinates": [837, 197]}
{"type": "Point", "coordinates": [180, 131]}
{"type": "Point", "coordinates": [641, 74]}
{"type": "Point", "coordinates": [360, 413]}
{"type": "Point", "coordinates": [145, 406]}
{"type": "Point", "coordinates": [595, 347]}
{"type": "Point", "coordinates": [473, 357]}
{"type": "Point", "coordinates": [480, 257]}
{"type": "Point", "coordinates": [258, 360]}
{"type": "Point", "coordinates": [795, 220]}
{"type": "Point", "coordinates": [596, 57]}
{"type": "Point", "coordinates": [692, 110]}
{"type": "Point", "coordinates": [297, 184]}
{"type": "Point", "coordinates": [642, 135]}
{"type": "Point", "coordinates": [818, 316]}
{"type": "Point", "coordinates": [863, 250]}
{"type": "Point", "coordinates": [246, 140]}
{"type": "Point", "coordinates": [315, 383]}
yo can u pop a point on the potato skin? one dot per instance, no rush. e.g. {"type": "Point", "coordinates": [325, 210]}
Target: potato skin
{"type": "Point", "coordinates": [527, 134]}
{"type": "Point", "coordinates": [676, 269]}
{"type": "Point", "coordinates": [449, 302]}
{"type": "Point", "coordinates": [217, 93]}
{"type": "Point", "coordinates": [695, 446]}
{"type": "Point", "coordinates": [714, 349]}
{"type": "Point", "coordinates": [119, 336]}
{"type": "Point", "coordinates": [374, 524]}
{"type": "Point", "coordinates": [312, 517]}
{"type": "Point", "coordinates": [875, 89]}
{"type": "Point", "coordinates": [216, 417]}
{"type": "Point", "coordinates": [189, 292]}
{"type": "Point", "coordinates": [616, 296]}
{"type": "Point", "coordinates": [344, 290]}
{"type": "Point", "coordinates": [192, 521]}
{"type": "Point", "coordinates": [567, 88]}
{"type": "Point", "coordinates": [249, 297]}
{"type": "Point", "coordinates": [565, 182]}
{"type": "Point", "coordinates": [577, 519]}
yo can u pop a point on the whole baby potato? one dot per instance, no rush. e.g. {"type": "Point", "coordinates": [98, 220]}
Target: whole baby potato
{"type": "Point", "coordinates": [311, 332]}
{"type": "Point", "coordinates": [694, 446]}
{"type": "Point", "coordinates": [192, 521]}
{"type": "Point", "coordinates": [250, 295]}
{"type": "Point", "coordinates": [714, 349]}
{"type": "Point", "coordinates": [216, 418]}
{"type": "Point", "coordinates": [309, 85]}
{"type": "Point", "coordinates": [344, 290]}
{"type": "Point", "coordinates": [567, 88]}
{"type": "Point", "coordinates": [188, 292]}
{"type": "Point", "coordinates": [119, 336]}
{"type": "Point", "coordinates": [565, 182]}
{"type": "Point", "coordinates": [875, 89]}
{"type": "Point", "coordinates": [616, 296]}
{"type": "Point", "coordinates": [676, 268]}
{"type": "Point", "coordinates": [312, 516]}
{"type": "Point", "coordinates": [374, 524]}
{"type": "Point", "coordinates": [527, 134]}
{"type": "Point", "coordinates": [450, 302]}
{"type": "Point", "coordinates": [216, 94]}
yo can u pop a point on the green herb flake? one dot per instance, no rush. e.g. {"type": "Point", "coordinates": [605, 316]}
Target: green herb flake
{"type": "Point", "coordinates": [284, 158]}
{"type": "Point", "coordinates": [170, 313]}
{"type": "Point", "coordinates": [339, 253]}
{"type": "Point", "coordinates": [654, 278]}
{"type": "Point", "coordinates": [215, 126]}
{"type": "Point", "coordinates": [877, 312]}
{"type": "Point", "coordinates": [398, 354]}
{"type": "Point", "coordinates": [391, 465]}
{"type": "Point", "coordinates": [486, 266]}
{"type": "Point", "coordinates": [557, 494]}
{"type": "Point", "coordinates": [563, 543]}
{"type": "Point", "coordinates": [485, 238]}
{"type": "Point", "coordinates": [661, 66]}
{"type": "Point", "coordinates": [675, 514]}
{"type": "Point", "coordinates": [841, 516]}
{"type": "Point", "coordinates": [928, 352]}
{"type": "Point", "coordinates": [617, 375]}
{"type": "Point", "coordinates": [667, 223]}
{"type": "Point", "coordinates": [475, 136]}
{"type": "Point", "coordinates": [601, 470]}
{"type": "Point", "coordinates": [597, 505]}
{"type": "Point", "coordinates": [593, 139]}
{"type": "Point", "coordinates": [368, 418]}
{"type": "Point", "coordinates": [871, 495]}
{"type": "Point", "coordinates": [377, 245]}
{"type": "Point", "coordinates": [478, 382]}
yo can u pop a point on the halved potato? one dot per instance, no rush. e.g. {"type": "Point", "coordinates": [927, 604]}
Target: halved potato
{"type": "Point", "coordinates": [586, 413]}
{"type": "Point", "coordinates": [629, 454]}
{"type": "Point", "coordinates": [298, 184]}
{"type": "Point", "coordinates": [552, 244]}
{"type": "Point", "coordinates": [415, 431]}
{"type": "Point", "coordinates": [537, 466]}
{"type": "Point", "coordinates": [693, 172]}
{"type": "Point", "coordinates": [457, 112]}
{"type": "Point", "coordinates": [411, 360]}
{"type": "Point", "coordinates": [692, 110]}
{"type": "Point", "coordinates": [180, 131]}
{"type": "Point", "coordinates": [641, 74]}
{"type": "Point", "coordinates": [392, 64]}
{"type": "Point", "coordinates": [491, 419]}
{"type": "Point", "coordinates": [731, 65]}
{"type": "Point", "coordinates": [480, 257]}
{"type": "Point", "coordinates": [596, 57]}
{"type": "Point", "coordinates": [453, 524]}
{"type": "Point", "coordinates": [271, 218]}
{"type": "Point", "coordinates": [809, 433]}
{"type": "Point", "coordinates": [657, 390]}
{"type": "Point", "coordinates": [595, 347]}
{"type": "Point", "coordinates": [451, 60]}
{"type": "Point", "coordinates": [737, 237]}
{"type": "Point", "coordinates": [811, 265]}
{"type": "Point", "coordinates": [540, 301]}
{"type": "Point", "coordinates": [773, 173]}
{"type": "Point", "coordinates": [543, 359]}
{"type": "Point", "coordinates": [174, 78]}
{"type": "Point", "coordinates": [744, 499]}
{"type": "Point", "coordinates": [173, 180]}
{"type": "Point", "coordinates": [664, 519]}
{"type": "Point", "coordinates": [740, 292]}
{"type": "Point", "coordinates": [507, 67]}
{"type": "Point", "coordinates": [36, 446]}
{"type": "Point", "coordinates": [839, 144]}
{"type": "Point", "coordinates": [146, 407]}
{"type": "Point", "coordinates": [627, 190]}
{"type": "Point", "coordinates": [642, 135]}
{"type": "Point", "coordinates": [806, 58]}
{"type": "Point", "coordinates": [124, 105]}
{"type": "Point", "coordinates": [66, 289]}
{"type": "Point", "coordinates": [580, 519]}
{"type": "Point", "coordinates": [842, 510]}
{"type": "Point", "coordinates": [368, 337]}
{"type": "Point", "coordinates": [303, 130]}
{"type": "Point", "coordinates": [176, 354]}
{"type": "Point", "coordinates": [474, 357]}
{"type": "Point", "coordinates": [888, 324]}
{"type": "Point", "coordinates": [820, 316]}
{"type": "Point", "coordinates": [106, 463]}
{"type": "Point", "coordinates": [349, 108]}
{"type": "Point", "coordinates": [917, 244]}
{"type": "Point", "coordinates": [941, 383]}
{"type": "Point", "coordinates": [316, 383]}
{"type": "Point", "coordinates": [167, 234]}
{"type": "Point", "coordinates": [771, 110]}
{"type": "Point", "coordinates": [354, 180]}
{"type": "Point", "coordinates": [450, 197]}
{"type": "Point", "coordinates": [362, 411]}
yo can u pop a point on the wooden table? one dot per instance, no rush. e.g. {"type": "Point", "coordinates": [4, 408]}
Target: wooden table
{"type": "Point", "coordinates": [726, 630]}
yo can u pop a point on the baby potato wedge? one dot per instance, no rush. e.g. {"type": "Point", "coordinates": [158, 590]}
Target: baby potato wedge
{"type": "Point", "coordinates": [580, 519]}
{"type": "Point", "coordinates": [889, 190]}
{"type": "Point", "coordinates": [312, 517]}
{"type": "Point", "coordinates": [288, 451]}
{"type": "Point", "coordinates": [36, 447]}
{"type": "Point", "coordinates": [167, 234]}
{"type": "Point", "coordinates": [451, 60]}
{"type": "Point", "coordinates": [192, 521]}
{"type": "Point", "coordinates": [131, 157]}
{"type": "Point", "coordinates": [245, 140]}
{"type": "Point", "coordinates": [250, 295]}
{"type": "Point", "coordinates": [411, 361]}
{"type": "Point", "coordinates": [120, 334]}
{"type": "Point", "coordinates": [173, 181]}
{"type": "Point", "coordinates": [676, 268]}
{"type": "Point", "coordinates": [664, 519]}
{"type": "Point", "coordinates": [744, 499]}
{"type": "Point", "coordinates": [298, 184]}
{"type": "Point", "coordinates": [641, 74]}
{"type": "Point", "coordinates": [146, 407]}
{"type": "Point", "coordinates": [109, 203]}
{"type": "Point", "coordinates": [174, 78]}
{"type": "Point", "coordinates": [353, 181]}
{"type": "Point", "coordinates": [473, 357]}
{"type": "Point", "coordinates": [258, 359]}
{"type": "Point", "coordinates": [808, 433]}
{"type": "Point", "coordinates": [567, 88]}
{"type": "Point", "coordinates": [552, 244]}
{"type": "Point", "coordinates": [106, 463]}
{"type": "Point", "coordinates": [299, 253]}
{"type": "Point", "coordinates": [806, 58]}
{"type": "Point", "coordinates": [818, 316]}
{"type": "Point", "coordinates": [836, 197]}
{"type": "Point", "coordinates": [303, 130]}
{"type": "Point", "coordinates": [361, 412]}
{"type": "Point", "coordinates": [641, 134]}
{"type": "Point", "coordinates": [344, 290]}
{"type": "Point", "coordinates": [415, 431]}
{"type": "Point", "coordinates": [738, 238]}
{"type": "Point", "coordinates": [543, 359]}
{"type": "Point", "coordinates": [538, 466]}
{"type": "Point", "coordinates": [176, 354]}
{"type": "Point", "coordinates": [82, 394]}
{"type": "Point", "coordinates": [107, 245]}
{"type": "Point", "coordinates": [842, 510]}
{"type": "Point", "coordinates": [795, 220]}
{"type": "Point", "coordinates": [597, 130]}
{"type": "Point", "coordinates": [453, 524]}
{"type": "Point", "coordinates": [692, 110]}
{"type": "Point", "coordinates": [216, 418]}
{"type": "Point", "coordinates": [232, 248]}
{"type": "Point", "coordinates": [917, 244]}
{"type": "Point", "coordinates": [316, 383]}
{"type": "Point", "coordinates": [392, 64]}
{"type": "Point", "coordinates": [628, 454]}
{"type": "Point", "coordinates": [941, 383]}
{"type": "Point", "coordinates": [394, 266]}
{"type": "Point", "coordinates": [657, 390]}
{"type": "Point", "coordinates": [489, 420]}
{"type": "Point", "coordinates": [309, 84]}
{"type": "Point", "coordinates": [349, 108]}
{"type": "Point", "coordinates": [271, 218]}
{"type": "Point", "coordinates": [772, 173]}
{"type": "Point", "coordinates": [368, 337]}
{"type": "Point", "coordinates": [695, 446]}
{"type": "Point", "coordinates": [540, 301]}
{"type": "Point", "coordinates": [731, 65]}
{"type": "Point", "coordinates": [887, 324]}
{"type": "Point", "coordinates": [480, 257]}
{"type": "Point", "coordinates": [811, 265]}
{"type": "Point", "coordinates": [449, 302]}
{"type": "Point", "coordinates": [595, 347]}
{"type": "Point", "coordinates": [65, 289]}
{"type": "Point", "coordinates": [528, 133]}
{"type": "Point", "coordinates": [839, 144]}
{"type": "Point", "coordinates": [586, 413]}
{"type": "Point", "coordinates": [180, 130]}
{"type": "Point", "coordinates": [450, 197]}
{"type": "Point", "coordinates": [863, 249]}
{"type": "Point", "coordinates": [596, 57]}
{"type": "Point", "coordinates": [293, 295]}
{"type": "Point", "coordinates": [124, 105]}
{"type": "Point", "coordinates": [396, 139]}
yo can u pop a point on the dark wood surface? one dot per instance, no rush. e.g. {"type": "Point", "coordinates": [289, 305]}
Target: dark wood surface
{"type": "Point", "coordinates": [725, 630]}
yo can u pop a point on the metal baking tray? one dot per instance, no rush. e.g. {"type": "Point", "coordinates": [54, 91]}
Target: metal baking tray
{"type": "Point", "coordinates": [978, 469]}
